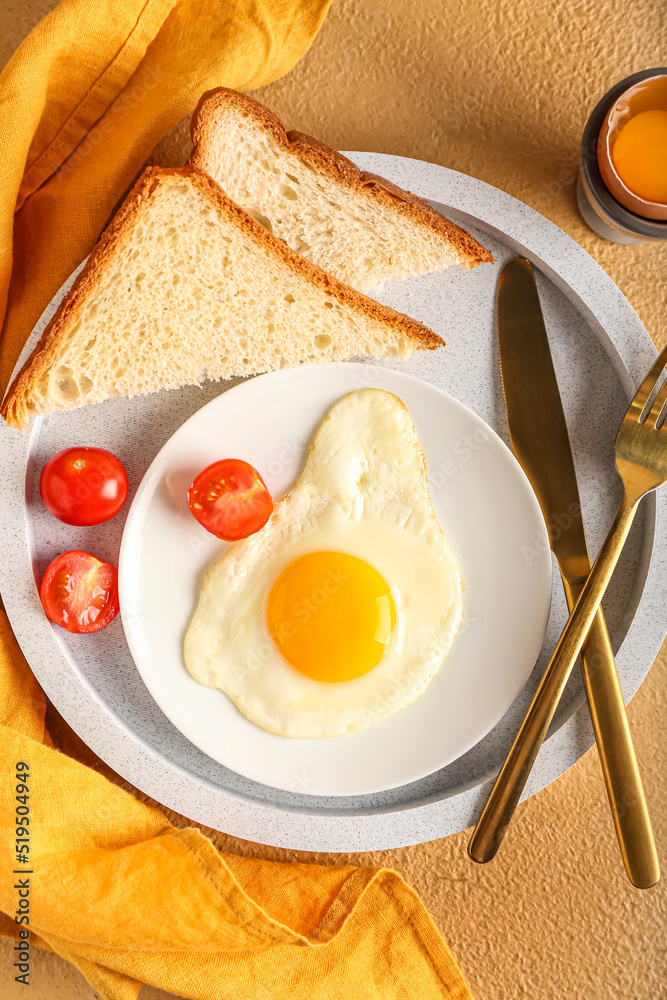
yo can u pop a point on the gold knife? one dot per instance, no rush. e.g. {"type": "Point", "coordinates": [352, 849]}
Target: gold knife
{"type": "Point", "coordinates": [541, 444]}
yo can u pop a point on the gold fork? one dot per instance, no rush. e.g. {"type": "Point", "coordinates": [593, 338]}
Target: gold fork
{"type": "Point", "coordinates": [641, 460]}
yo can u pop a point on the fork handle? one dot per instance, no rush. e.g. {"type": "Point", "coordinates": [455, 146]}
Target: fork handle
{"type": "Point", "coordinates": [509, 784]}
{"type": "Point", "coordinates": [617, 756]}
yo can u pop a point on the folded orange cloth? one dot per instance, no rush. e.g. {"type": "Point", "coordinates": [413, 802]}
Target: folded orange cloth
{"type": "Point", "coordinates": [130, 899]}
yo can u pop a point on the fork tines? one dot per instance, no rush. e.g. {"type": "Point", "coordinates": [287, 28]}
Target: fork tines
{"type": "Point", "coordinates": [639, 408]}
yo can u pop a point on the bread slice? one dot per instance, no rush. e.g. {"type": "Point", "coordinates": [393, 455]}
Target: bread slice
{"type": "Point", "coordinates": [185, 284]}
{"type": "Point", "coordinates": [355, 225]}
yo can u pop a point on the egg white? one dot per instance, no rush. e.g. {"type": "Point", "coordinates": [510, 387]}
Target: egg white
{"type": "Point", "coordinates": [364, 492]}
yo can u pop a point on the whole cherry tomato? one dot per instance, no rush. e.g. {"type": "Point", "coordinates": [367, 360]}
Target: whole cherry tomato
{"type": "Point", "coordinates": [229, 498]}
{"type": "Point", "coordinates": [79, 592]}
{"type": "Point", "coordinates": [83, 485]}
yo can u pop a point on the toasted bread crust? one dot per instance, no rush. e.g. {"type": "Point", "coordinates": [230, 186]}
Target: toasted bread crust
{"type": "Point", "coordinates": [338, 167]}
{"type": "Point", "coordinates": [15, 406]}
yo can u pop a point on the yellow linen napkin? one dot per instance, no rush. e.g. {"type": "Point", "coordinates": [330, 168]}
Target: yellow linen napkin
{"type": "Point", "coordinates": [129, 899]}
{"type": "Point", "coordinates": [84, 100]}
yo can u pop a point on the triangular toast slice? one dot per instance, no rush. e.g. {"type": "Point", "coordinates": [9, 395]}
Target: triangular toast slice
{"type": "Point", "coordinates": [185, 284]}
{"type": "Point", "coordinates": [355, 225]}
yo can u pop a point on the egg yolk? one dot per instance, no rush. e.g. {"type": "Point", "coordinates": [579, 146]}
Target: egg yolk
{"type": "Point", "coordinates": [330, 615]}
{"type": "Point", "coordinates": [640, 155]}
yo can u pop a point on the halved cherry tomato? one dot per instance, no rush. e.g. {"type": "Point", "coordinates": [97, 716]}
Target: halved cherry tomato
{"type": "Point", "coordinates": [83, 485]}
{"type": "Point", "coordinates": [80, 592]}
{"type": "Point", "coordinates": [230, 499]}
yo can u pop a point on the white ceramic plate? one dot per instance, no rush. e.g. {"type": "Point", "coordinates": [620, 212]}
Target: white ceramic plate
{"type": "Point", "coordinates": [482, 499]}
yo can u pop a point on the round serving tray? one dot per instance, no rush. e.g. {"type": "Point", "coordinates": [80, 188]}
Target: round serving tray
{"type": "Point", "coordinates": [601, 352]}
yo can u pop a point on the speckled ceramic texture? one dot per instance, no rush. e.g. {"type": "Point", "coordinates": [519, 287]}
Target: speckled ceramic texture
{"type": "Point", "coordinates": [601, 352]}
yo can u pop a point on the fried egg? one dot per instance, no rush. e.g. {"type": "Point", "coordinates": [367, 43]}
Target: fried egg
{"type": "Point", "coordinates": [337, 613]}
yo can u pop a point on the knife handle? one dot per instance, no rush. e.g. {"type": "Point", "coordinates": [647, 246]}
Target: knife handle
{"type": "Point", "coordinates": [617, 753]}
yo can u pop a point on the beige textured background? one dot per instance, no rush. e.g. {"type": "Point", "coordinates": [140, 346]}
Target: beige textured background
{"type": "Point", "coordinates": [499, 90]}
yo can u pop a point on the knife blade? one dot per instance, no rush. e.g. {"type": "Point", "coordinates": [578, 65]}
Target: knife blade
{"type": "Point", "coordinates": [541, 443]}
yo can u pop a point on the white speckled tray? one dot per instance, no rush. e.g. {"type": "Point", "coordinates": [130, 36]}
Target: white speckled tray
{"type": "Point", "coordinates": [601, 352]}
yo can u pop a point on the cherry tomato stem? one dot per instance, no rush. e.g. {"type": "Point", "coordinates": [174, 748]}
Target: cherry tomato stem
{"type": "Point", "coordinates": [83, 486]}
